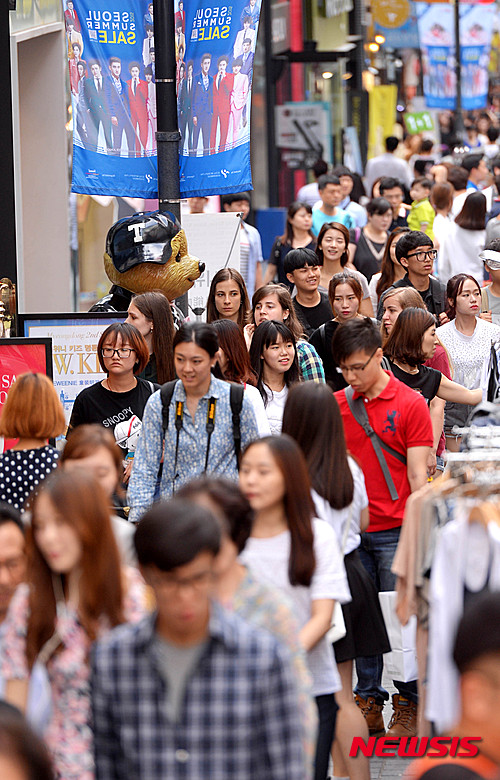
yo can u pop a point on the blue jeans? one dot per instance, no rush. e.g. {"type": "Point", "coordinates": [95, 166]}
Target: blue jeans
{"type": "Point", "coordinates": [377, 551]}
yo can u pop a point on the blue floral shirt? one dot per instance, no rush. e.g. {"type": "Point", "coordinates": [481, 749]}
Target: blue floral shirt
{"type": "Point", "coordinates": [192, 448]}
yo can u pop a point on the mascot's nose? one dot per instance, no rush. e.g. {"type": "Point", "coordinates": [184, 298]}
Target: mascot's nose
{"type": "Point", "coordinates": [201, 266]}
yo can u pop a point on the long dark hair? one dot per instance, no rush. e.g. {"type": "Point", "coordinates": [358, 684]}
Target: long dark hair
{"type": "Point", "coordinates": [405, 339]}
{"type": "Point", "coordinates": [232, 342]}
{"type": "Point", "coordinates": [80, 500]}
{"type": "Point", "coordinates": [473, 214]}
{"type": "Point", "coordinates": [312, 417]}
{"type": "Point", "coordinates": [266, 334]}
{"type": "Point", "coordinates": [225, 275]}
{"type": "Point", "coordinates": [297, 503]}
{"type": "Point", "coordinates": [387, 272]}
{"type": "Point", "coordinates": [341, 229]}
{"type": "Point", "coordinates": [156, 307]}
{"type": "Point", "coordinates": [287, 236]}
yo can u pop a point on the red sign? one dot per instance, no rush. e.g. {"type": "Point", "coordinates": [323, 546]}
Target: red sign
{"type": "Point", "coordinates": [415, 747]}
{"type": "Point", "coordinates": [18, 356]}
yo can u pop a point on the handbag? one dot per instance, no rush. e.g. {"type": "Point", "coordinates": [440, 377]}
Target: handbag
{"type": "Point", "coordinates": [337, 629]}
{"type": "Point", "coordinates": [401, 662]}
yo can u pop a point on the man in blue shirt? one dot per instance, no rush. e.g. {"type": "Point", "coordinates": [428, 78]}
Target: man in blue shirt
{"type": "Point", "coordinates": [330, 193]}
{"type": "Point", "coordinates": [192, 691]}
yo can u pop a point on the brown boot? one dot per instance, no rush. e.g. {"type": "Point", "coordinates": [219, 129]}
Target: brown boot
{"type": "Point", "coordinates": [404, 718]}
{"type": "Point", "coordinates": [373, 715]}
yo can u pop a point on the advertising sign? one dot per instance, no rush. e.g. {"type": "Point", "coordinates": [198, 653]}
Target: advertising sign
{"type": "Point", "coordinates": [215, 56]}
{"type": "Point", "coordinates": [18, 356]}
{"type": "Point", "coordinates": [74, 348]}
{"type": "Point", "coordinates": [110, 48]}
{"type": "Point", "coordinates": [436, 31]}
{"type": "Point", "coordinates": [304, 133]}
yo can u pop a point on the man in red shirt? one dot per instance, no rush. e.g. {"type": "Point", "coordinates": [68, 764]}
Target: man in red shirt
{"type": "Point", "coordinates": [400, 418]}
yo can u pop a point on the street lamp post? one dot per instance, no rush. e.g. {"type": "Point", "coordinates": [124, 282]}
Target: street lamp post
{"type": "Point", "coordinates": [459, 120]}
{"type": "Point", "coordinates": [167, 135]}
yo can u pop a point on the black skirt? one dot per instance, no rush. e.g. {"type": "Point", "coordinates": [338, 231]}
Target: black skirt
{"type": "Point", "coordinates": [365, 628]}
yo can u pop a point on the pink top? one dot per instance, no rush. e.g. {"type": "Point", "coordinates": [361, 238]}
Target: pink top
{"type": "Point", "coordinates": [68, 735]}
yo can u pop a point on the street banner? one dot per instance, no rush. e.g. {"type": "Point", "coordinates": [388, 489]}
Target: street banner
{"type": "Point", "coordinates": [381, 116]}
{"type": "Point", "coordinates": [396, 20]}
{"type": "Point", "coordinates": [20, 356]}
{"type": "Point", "coordinates": [436, 31]}
{"type": "Point", "coordinates": [110, 47]}
{"type": "Point", "coordinates": [215, 49]}
{"type": "Point", "coordinates": [110, 52]}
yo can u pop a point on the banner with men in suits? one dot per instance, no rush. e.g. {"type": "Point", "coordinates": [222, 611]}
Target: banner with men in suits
{"type": "Point", "coordinates": [215, 48]}
{"type": "Point", "coordinates": [110, 47]}
{"type": "Point", "coordinates": [111, 60]}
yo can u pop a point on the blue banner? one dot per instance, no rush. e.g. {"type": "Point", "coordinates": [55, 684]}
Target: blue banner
{"type": "Point", "coordinates": [110, 50]}
{"type": "Point", "coordinates": [405, 34]}
{"type": "Point", "coordinates": [215, 47]}
{"type": "Point", "coordinates": [436, 31]}
{"type": "Point", "coordinates": [111, 59]}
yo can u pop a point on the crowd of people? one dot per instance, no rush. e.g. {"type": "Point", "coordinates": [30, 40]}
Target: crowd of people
{"type": "Point", "coordinates": [172, 571]}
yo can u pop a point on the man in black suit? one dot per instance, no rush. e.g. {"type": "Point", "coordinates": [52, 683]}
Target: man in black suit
{"type": "Point", "coordinates": [119, 108]}
{"type": "Point", "coordinates": [201, 105]}
{"type": "Point", "coordinates": [97, 107]}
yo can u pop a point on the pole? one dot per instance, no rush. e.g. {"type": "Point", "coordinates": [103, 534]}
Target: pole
{"type": "Point", "coordinates": [272, 151]}
{"type": "Point", "coordinates": [167, 135]}
{"type": "Point", "coordinates": [9, 258]}
{"type": "Point", "coordinates": [459, 120]}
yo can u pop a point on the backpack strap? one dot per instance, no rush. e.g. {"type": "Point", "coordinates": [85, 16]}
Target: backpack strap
{"type": "Point", "coordinates": [322, 333]}
{"type": "Point", "coordinates": [359, 413]}
{"type": "Point", "coordinates": [236, 399]}
{"type": "Point", "coordinates": [166, 393]}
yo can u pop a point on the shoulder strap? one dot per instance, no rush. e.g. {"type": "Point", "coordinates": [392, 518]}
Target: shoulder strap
{"type": "Point", "coordinates": [485, 304]}
{"type": "Point", "coordinates": [360, 415]}
{"type": "Point", "coordinates": [386, 364]}
{"type": "Point", "coordinates": [166, 393]}
{"type": "Point", "coordinates": [151, 386]}
{"type": "Point", "coordinates": [322, 333]}
{"type": "Point", "coordinates": [236, 399]}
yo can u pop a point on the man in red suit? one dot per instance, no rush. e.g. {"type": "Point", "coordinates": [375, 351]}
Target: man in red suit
{"type": "Point", "coordinates": [180, 16]}
{"type": "Point", "coordinates": [222, 88]}
{"type": "Point", "coordinates": [70, 15]}
{"type": "Point", "coordinates": [138, 99]}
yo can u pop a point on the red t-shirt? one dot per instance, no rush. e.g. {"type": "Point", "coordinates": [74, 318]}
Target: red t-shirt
{"type": "Point", "coordinates": [400, 417]}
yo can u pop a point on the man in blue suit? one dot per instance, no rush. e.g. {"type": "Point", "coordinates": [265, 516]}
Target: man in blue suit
{"type": "Point", "coordinates": [202, 106]}
{"type": "Point", "coordinates": [247, 69]}
{"type": "Point", "coordinates": [186, 84]}
{"type": "Point", "coordinates": [119, 108]}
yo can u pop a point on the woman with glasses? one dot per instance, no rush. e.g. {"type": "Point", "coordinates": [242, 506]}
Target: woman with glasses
{"type": "Point", "coordinates": [467, 339]}
{"type": "Point", "coordinates": [118, 402]}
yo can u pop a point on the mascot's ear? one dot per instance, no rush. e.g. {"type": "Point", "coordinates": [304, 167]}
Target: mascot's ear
{"type": "Point", "coordinates": [141, 238]}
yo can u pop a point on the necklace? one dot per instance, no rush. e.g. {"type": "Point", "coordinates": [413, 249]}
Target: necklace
{"type": "Point", "coordinates": [407, 370]}
{"type": "Point", "coordinates": [377, 253]}
{"type": "Point", "coordinates": [108, 386]}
